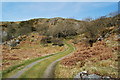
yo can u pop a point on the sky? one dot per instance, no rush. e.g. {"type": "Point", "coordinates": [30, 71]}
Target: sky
{"type": "Point", "coordinates": [60, 0]}
{"type": "Point", "coordinates": [18, 11]}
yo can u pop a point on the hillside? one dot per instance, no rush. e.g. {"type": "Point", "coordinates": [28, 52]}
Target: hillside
{"type": "Point", "coordinates": [43, 26]}
{"type": "Point", "coordinates": [29, 48]}
{"type": "Point", "coordinates": [57, 27]}
{"type": "Point", "coordinates": [101, 59]}
{"type": "Point", "coordinates": [96, 43]}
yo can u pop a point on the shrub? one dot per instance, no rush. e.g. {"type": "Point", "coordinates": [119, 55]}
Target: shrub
{"type": "Point", "coordinates": [57, 41]}
{"type": "Point", "coordinates": [46, 40]}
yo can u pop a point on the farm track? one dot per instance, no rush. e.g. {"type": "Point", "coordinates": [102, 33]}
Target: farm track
{"type": "Point", "coordinates": [49, 71]}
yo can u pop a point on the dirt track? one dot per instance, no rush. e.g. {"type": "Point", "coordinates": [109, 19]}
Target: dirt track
{"type": "Point", "coordinates": [49, 72]}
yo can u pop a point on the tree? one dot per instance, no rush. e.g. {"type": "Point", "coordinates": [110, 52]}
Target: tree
{"type": "Point", "coordinates": [91, 32]}
{"type": "Point", "coordinates": [63, 29]}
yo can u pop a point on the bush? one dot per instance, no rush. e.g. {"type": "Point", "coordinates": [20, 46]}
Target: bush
{"type": "Point", "coordinates": [46, 40]}
{"type": "Point", "coordinates": [57, 41]}
{"type": "Point", "coordinates": [62, 28]}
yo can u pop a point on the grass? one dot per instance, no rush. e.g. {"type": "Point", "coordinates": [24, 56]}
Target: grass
{"type": "Point", "coordinates": [105, 68]}
{"type": "Point", "coordinates": [5, 73]}
{"type": "Point", "coordinates": [12, 70]}
{"type": "Point", "coordinates": [38, 70]}
{"type": "Point", "coordinates": [108, 67]}
{"type": "Point", "coordinates": [20, 64]}
{"type": "Point", "coordinates": [62, 71]}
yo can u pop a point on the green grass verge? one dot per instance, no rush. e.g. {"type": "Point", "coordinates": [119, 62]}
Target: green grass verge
{"type": "Point", "coordinates": [37, 70]}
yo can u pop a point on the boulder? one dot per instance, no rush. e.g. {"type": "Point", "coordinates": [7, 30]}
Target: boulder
{"type": "Point", "coordinates": [81, 75]}
{"type": "Point", "coordinates": [85, 76]}
{"type": "Point", "coordinates": [100, 38]}
{"type": "Point", "coordinates": [93, 77]}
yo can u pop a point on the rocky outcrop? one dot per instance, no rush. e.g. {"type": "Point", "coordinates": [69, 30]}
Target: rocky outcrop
{"type": "Point", "coordinates": [14, 42]}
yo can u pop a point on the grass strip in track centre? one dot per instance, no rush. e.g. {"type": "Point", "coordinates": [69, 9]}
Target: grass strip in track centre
{"type": "Point", "coordinates": [37, 70]}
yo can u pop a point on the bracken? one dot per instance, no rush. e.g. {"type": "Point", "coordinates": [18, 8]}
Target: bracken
{"type": "Point", "coordinates": [99, 50]}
